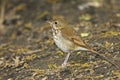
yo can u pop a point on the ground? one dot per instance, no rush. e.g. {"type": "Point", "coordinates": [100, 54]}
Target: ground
{"type": "Point", "coordinates": [28, 52]}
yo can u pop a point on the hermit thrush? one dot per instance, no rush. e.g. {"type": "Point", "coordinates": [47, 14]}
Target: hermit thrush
{"type": "Point", "coordinates": [66, 38]}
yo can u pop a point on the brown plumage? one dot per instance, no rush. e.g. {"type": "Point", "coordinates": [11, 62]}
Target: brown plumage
{"type": "Point", "coordinates": [68, 40]}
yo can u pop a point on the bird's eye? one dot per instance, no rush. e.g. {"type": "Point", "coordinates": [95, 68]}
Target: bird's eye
{"type": "Point", "coordinates": [56, 22]}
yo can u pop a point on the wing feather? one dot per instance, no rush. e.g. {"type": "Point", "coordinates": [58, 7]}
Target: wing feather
{"type": "Point", "coordinates": [70, 33]}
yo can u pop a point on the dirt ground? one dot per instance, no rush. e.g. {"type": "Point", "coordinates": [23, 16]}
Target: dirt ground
{"type": "Point", "coordinates": [28, 52]}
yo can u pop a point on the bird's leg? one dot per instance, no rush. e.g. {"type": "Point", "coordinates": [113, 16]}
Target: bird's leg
{"type": "Point", "coordinates": [66, 60]}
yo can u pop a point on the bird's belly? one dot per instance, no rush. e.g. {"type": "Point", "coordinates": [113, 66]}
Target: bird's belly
{"type": "Point", "coordinates": [64, 44]}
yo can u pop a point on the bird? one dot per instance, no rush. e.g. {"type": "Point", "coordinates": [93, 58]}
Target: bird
{"type": "Point", "coordinates": [68, 40]}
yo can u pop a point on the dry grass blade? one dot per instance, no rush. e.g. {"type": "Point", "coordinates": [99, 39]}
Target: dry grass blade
{"type": "Point", "coordinates": [2, 14]}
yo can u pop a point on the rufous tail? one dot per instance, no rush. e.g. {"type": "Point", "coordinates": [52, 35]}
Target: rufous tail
{"type": "Point", "coordinates": [105, 58]}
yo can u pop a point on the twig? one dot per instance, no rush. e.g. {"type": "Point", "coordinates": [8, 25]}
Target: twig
{"type": "Point", "coordinates": [2, 16]}
{"type": "Point", "coordinates": [31, 52]}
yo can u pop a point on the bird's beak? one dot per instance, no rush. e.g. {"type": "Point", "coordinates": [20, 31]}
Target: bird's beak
{"type": "Point", "coordinates": [49, 22]}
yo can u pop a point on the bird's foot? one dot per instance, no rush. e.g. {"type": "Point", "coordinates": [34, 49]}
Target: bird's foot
{"type": "Point", "coordinates": [64, 65]}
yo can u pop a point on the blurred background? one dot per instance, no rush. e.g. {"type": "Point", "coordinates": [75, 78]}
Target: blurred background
{"type": "Point", "coordinates": [27, 51]}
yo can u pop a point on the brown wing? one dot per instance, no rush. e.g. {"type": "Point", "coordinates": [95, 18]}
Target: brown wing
{"type": "Point", "coordinates": [70, 33]}
{"type": "Point", "coordinates": [77, 40]}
